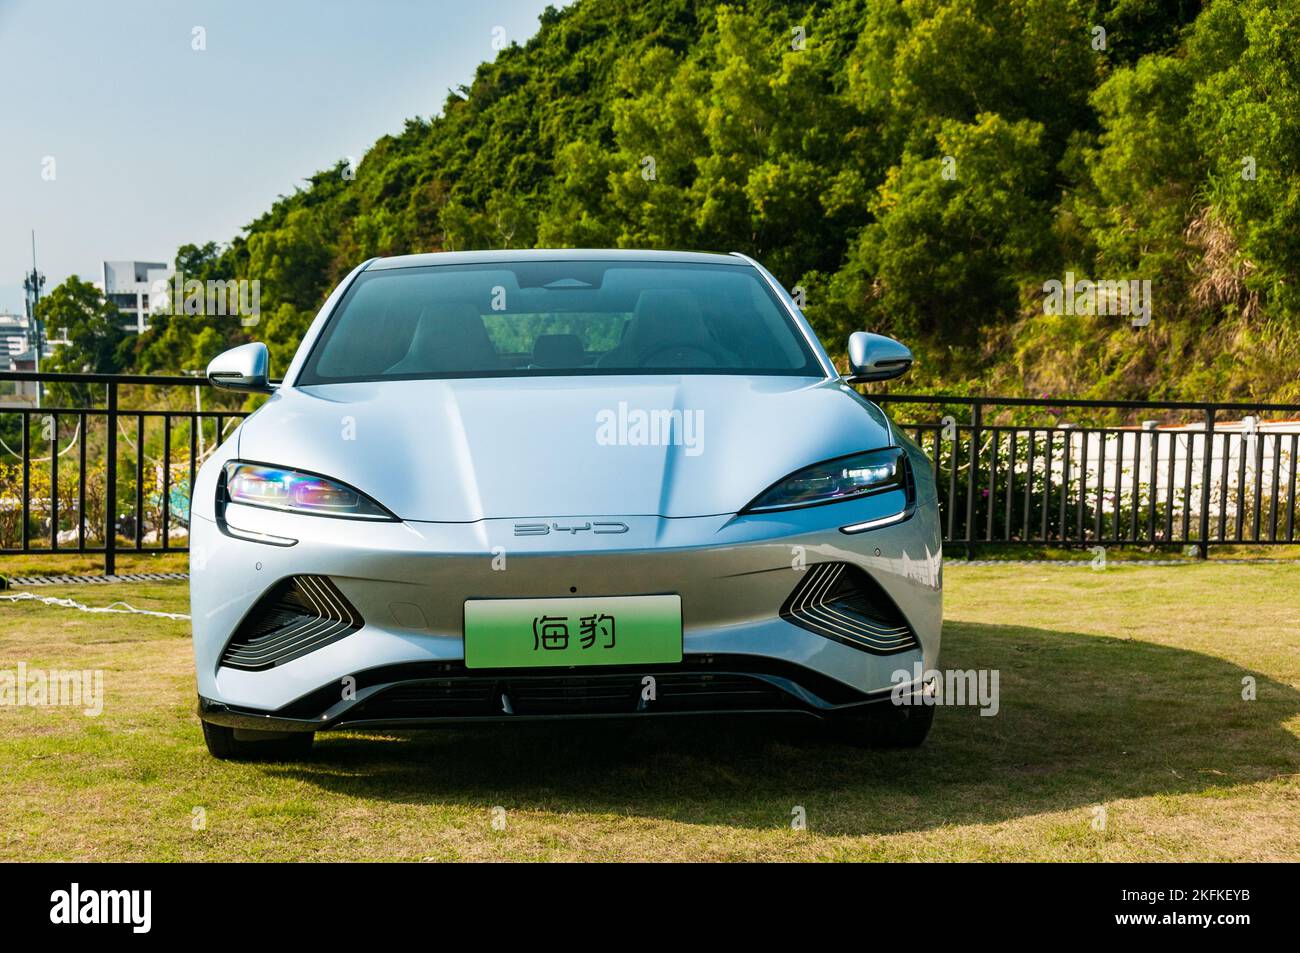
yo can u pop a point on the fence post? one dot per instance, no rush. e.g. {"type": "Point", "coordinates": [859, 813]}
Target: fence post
{"type": "Point", "coordinates": [110, 490]}
{"type": "Point", "coordinates": [1203, 548]}
{"type": "Point", "coordinates": [977, 421]}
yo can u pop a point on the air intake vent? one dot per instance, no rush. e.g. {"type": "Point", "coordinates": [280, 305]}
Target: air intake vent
{"type": "Point", "coordinates": [841, 602]}
{"type": "Point", "coordinates": [299, 615]}
{"type": "Point", "coordinates": [579, 694]}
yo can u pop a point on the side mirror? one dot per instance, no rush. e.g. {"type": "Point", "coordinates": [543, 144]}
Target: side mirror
{"type": "Point", "coordinates": [874, 357]}
{"type": "Point", "coordinates": [243, 368]}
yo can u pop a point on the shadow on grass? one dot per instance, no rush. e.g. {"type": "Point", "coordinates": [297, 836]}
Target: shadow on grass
{"type": "Point", "coordinates": [1084, 720]}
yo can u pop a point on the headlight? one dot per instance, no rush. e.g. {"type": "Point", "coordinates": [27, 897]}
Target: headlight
{"type": "Point", "coordinates": [278, 489]}
{"type": "Point", "coordinates": [844, 478]}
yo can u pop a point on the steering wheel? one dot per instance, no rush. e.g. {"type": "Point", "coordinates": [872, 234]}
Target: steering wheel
{"type": "Point", "coordinates": [713, 354]}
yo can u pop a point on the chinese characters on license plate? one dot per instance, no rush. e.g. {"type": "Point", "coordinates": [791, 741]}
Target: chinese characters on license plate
{"type": "Point", "coordinates": [551, 632]}
{"type": "Point", "coordinates": [615, 630]}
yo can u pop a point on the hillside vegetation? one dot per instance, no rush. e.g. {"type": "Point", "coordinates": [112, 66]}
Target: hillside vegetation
{"type": "Point", "coordinates": [917, 168]}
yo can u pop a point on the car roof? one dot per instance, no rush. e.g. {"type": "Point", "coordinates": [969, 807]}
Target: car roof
{"type": "Point", "coordinates": [552, 254]}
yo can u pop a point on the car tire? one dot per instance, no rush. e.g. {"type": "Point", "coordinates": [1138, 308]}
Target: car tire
{"type": "Point", "coordinates": [223, 744]}
{"type": "Point", "coordinates": [885, 726]}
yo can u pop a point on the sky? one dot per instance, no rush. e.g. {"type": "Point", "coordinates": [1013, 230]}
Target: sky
{"type": "Point", "coordinates": [120, 140]}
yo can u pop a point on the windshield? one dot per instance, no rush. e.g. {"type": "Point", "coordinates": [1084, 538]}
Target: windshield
{"type": "Point", "coordinates": [508, 319]}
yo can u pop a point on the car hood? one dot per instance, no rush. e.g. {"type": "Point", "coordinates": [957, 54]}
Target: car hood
{"type": "Point", "coordinates": [465, 450]}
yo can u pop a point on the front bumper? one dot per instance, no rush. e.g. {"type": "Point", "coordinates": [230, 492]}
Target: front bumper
{"type": "Point", "coordinates": [409, 581]}
{"type": "Point", "coordinates": [426, 694]}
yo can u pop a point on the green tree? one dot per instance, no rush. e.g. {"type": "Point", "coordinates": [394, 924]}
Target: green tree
{"type": "Point", "coordinates": [957, 229]}
{"type": "Point", "coordinates": [92, 328]}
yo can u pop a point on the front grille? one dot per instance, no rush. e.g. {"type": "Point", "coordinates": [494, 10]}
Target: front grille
{"type": "Point", "coordinates": [299, 615]}
{"type": "Point", "coordinates": [443, 698]}
{"type": "Point", "coordinates": [432, 690]}
{"type": "Point", "coordinates": [842, 602]}
{"type": "Point", "coordinates": [571, 694]}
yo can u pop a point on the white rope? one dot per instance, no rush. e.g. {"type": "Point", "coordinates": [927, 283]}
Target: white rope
{"type": "Point", "coordinates": [72, 604]}
{"type": "Point", "coordinates": [64, 451]}
{"type": "Point", "coordinates": [121, 429]}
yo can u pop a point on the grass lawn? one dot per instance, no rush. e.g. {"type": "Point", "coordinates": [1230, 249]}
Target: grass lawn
{"type": "Point", "coordinates": [1121, 697]}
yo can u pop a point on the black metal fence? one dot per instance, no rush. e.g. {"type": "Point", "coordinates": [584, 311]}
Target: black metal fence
{"type": "Point", "coordinates": [86, 473]}
{"type": "Point", "coordinates": [1084, 473]}
{"type": "Point", "coordinates": [97, 475]}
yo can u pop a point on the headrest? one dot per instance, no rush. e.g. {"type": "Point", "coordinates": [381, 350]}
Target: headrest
{"type": "Point", "coordinates": [667, 316]}
{"type": "Point", "coordinates": [449, 336]}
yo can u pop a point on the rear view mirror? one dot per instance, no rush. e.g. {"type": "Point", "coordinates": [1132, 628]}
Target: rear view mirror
{"type": "Point", "coordinates": [874, 357]}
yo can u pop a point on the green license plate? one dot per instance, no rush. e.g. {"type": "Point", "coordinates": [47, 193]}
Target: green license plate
{"type": "Point", "coordinates": [602, 630]}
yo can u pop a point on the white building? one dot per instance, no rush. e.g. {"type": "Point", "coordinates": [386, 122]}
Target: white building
{"type": "Point", "coordinates": [128, 285]}
{"type": "Point", "coordinates": [18, 353]}
{"type": "Point", "coordinates": [15, 338]}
